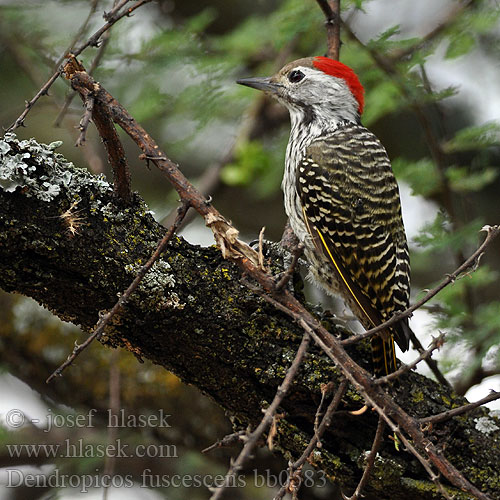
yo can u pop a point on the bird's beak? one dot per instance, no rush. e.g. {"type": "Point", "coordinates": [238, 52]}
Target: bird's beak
{"type": "Point", "coordinates": [260, 83]}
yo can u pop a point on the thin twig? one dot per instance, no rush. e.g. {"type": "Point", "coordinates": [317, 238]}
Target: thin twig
{"type": "Point", "coordinates": [264, 424]}
{"type": "Point", "coordinates": [286, 276]}
{"type": "Point", "coordinates": [325, 390]}
{"type": "Point", "coordinates": [370, 461]}
{"type": "Point", "coordinates": [331, 9]}
{"type": "Point", "coordinates": [104, 320]}
{"type": "Point", "coordinates": [431, 363]}
{"type": "Point", "coordinates": [78, 35]}
{"type": "Point", "coordinates": [93, 65]}
{"type": "Point", "coordinates": [328, 344]}
{"type": "Point", "coordinates": [113, 17]}
{"type": "Point", "coordinates": [325, 423]}
{"type": "Point", "coordinates": [435, 344]}
{"type": "Point", "coordinates": [247, 259]}
{"type": "Point", "coordinates": [472, 261]}
{"type": "Point", "coordinates": [84, 122]}
{"type": "Point", "coordinates": [228, 440]}
{"type": "Point", "coordinates": [44, 89]}
{"type": "Point", "coordinates": [446, 415]}
{"type": "Point", "coordinates": [110, 138]}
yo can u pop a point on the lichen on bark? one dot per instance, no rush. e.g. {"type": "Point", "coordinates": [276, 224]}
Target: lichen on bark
{"type": "Point", "coordinates": [192, 315]}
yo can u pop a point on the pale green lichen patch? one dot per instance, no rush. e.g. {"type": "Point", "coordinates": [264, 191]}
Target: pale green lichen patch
{"type": "Point", "coordinates": [156, 286]}
{"type": "Point", "coordinates": [485, 425]}
{"type": "Point", "coordinates": [41, 172]}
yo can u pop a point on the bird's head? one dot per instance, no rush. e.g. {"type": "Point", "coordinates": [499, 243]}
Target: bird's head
{"type": "Point", "coordinates": [315, 88]}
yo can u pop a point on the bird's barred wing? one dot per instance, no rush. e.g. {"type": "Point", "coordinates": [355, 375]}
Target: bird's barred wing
{"type": "Point", "coordinates": [351, 206]}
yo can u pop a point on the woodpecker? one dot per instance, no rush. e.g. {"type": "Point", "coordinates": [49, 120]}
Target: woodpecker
{"type": "Point", "coordinates": [342, 198]}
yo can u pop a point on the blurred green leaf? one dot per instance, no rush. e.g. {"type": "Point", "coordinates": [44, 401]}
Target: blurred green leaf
{"type": "Point", "coordinates": [422, 175]}
{"type": "Point", "coordinates": [438, 235]}
{"type": "Point", "coordinates": [250, 161]}
{"type": "Point", "coordinates": [383, 99]}
{"type": "Point", "coordinates": [474, 137]}
{"type": "Point", "coordinates": [460, 43]}
{"type": "Point", "coordinates": [463, 180]}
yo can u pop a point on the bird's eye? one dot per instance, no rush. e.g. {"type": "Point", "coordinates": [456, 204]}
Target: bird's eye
{"type": "Point", "coordinates": [295, 76]}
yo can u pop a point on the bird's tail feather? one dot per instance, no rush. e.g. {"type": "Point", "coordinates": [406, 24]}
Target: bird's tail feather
{"type": "Point", "coordinates": [384, 355]}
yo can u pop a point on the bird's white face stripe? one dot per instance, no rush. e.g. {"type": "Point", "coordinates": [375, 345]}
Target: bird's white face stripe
{"type": "Point", "coordinates": [325, 97]}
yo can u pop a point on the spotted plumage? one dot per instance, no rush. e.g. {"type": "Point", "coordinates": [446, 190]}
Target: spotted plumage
{"type": "Point", "coordinates": [342, 199]}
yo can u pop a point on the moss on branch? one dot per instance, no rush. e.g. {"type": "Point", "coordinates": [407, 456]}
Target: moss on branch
{"type": "Point", "coordinates": [66, 242]}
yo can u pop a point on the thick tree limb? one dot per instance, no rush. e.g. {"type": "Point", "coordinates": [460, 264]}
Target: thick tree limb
{"type": "Point", "coordinates": [192, 315]}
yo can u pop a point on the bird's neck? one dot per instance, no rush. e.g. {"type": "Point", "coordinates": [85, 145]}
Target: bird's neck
{"type": "Point", "coordinates": [307, 124]}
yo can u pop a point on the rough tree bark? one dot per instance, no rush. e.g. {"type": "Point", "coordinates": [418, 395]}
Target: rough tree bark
{"type": "Point", "coordinates": [66, 243]}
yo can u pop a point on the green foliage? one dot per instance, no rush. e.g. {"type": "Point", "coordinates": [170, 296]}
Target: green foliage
{"type": "Point", "coordinates": [421, 175]}
{"type": "Point", "coordinates": [463, 36]}
{"type": "Point", "coordinates": [385, 42]}
{"type": "Point", "coordinates": [358, 4]}
{"type": "Point", "coordinates": [383, 99]}
{"type": "Point", "coordinates": [474, 137]}
{"type": "Point", "coordinates": [462, 179]}
{"type": "Point", "coordinates": [460, 44]}
{"type": "Point", "coordinates": [250, 161]}
{"type": "Point", "coordinates": [177, 76]}
{"type": "Point", "coordinates": [439, 235]}
{"type": "Point", "coordinates": [256, 165]}
{"type": "Point", "coordinates": [489, 326]}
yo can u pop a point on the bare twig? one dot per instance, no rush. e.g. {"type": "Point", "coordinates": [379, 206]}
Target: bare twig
{"type": "Point", "coordinates": [435, 344]}
{"type": "Point", "coordinates": [79, 33]}
{"type": "Point", "coordinates": [264, 424]}
{"type": "Point", "coordinates": [370, 460]}
{"type": "Point", "coordinates": [93, 65]}
{"type": "Point", "coordinates": [325, 390]}
{"type": "Point", "coordinates": [84, 122]}
{"type": "Point", "coordinates": [109, 136]}
{"type": "Point", "coordinates": [446, 415]}
{"type": "Point", "coordinates": [247, 259]}
{"type": "Point", "coordinates": [331, 9]}
{"type": "Point", "coordinates": [285, 277]}
{"type": "Point", "coordinates": [229, 440]}
{"type": "Point", "coordinates": [471, 262]}
{"type": "Point", "coordinates": [104, 320]}
{"type": "Point", "coordinates": [431, 363]}
{"type": "Point", "coordinates": [116, 155]}
{"type": "Point", "coordinates": [112, 17]}
{"type": "Point", "coordinates": [330, 347]}
{"type": "Point", "coordinates": [325, 423]}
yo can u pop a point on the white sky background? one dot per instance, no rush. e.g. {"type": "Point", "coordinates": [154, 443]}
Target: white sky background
{"type": "Point", "coordinates": [415, 19]}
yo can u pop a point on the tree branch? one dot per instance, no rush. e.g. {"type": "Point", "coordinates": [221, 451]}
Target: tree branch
{"type": "Point", "coordinates": [331, 9]}
{"type": "Point", "coordinates": [188, 291]}
{"type": "Point", "coordinates": [265, 423]}
{"type": "Point", "coordinates": [112, 17]}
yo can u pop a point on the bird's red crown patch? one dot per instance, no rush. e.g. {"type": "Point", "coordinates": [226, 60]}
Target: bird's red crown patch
{"type": "Point", "coordinates": [340, 70]}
